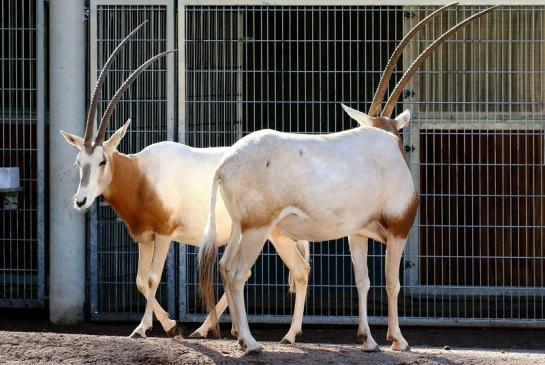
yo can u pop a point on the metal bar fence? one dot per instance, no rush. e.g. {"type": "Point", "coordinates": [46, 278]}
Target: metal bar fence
{"type": "Point", "coordinates": [150, 105]}
{"type": "Point", "coordinates": [475, 147]}
{"type": "Point", "coordinates": [22, 124]}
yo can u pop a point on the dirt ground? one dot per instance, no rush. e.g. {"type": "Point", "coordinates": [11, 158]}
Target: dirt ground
{"type": "Point", "coordinates": [37, 341]}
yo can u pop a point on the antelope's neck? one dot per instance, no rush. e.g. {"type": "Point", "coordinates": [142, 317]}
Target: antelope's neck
{"type": "Point", "coordinates": [126, 175]}
{"type": "Point", "coordinates": [134, 199]}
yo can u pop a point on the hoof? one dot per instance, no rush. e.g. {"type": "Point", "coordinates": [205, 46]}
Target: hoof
{"type": "Point", "coordinates": [402, 347]}
{"type": "Point", "coordinates": [173, 331]}
{"type": "Point", "coordinates": [136, 335]}
{"type": "Point", "coordinates": [255, 351]}
{"type": "Point", "coordinates": [370, 349]}
{"type": "Point", "coordinates": [196, 335]}
{"type": "Point", "coordinates": [286, 341]}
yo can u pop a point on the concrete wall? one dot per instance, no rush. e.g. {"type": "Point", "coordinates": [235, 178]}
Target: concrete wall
{"type": "Point", "coordinates": [67, 112]}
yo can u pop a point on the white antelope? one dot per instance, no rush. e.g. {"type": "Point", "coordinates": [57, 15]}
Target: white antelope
{"type": "Point", "coordinates": [162, 193]}
{"type": "Point", "coordinates": [354, 183]}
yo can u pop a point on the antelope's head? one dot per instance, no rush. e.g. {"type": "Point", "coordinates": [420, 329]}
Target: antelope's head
{"type": "Point", "coordinates": [95, 168]}
{"type": "Point", "coordinates": [94, 158]}
{"type": "Point", "coordinates": [382, 119]}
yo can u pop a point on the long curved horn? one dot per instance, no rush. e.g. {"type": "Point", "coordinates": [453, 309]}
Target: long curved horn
{"type": "Point", "coordinates": [374, 109]}
{"type": "Point", "coordinates": [119, 94]}
{"type": "Point", "coordinates": [392, 100]}
{"type": "Point", "coordinates": [90, 124]}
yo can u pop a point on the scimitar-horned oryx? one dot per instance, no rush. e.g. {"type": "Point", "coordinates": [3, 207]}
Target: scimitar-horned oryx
{"type": "Point", "coordinates": [162, 194]}
{"type": "Point", "coordinates": [354, 183]}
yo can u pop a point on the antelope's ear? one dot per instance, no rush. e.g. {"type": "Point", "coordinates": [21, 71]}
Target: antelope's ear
{"type": "Point", "coordinates": [112, 143]}
{"type": "Point", "coordinates": [358, 116]}
{"type": "Point", "coordinates": [403, 119]}
{"type": "Point", "coordinates": [73, 139]}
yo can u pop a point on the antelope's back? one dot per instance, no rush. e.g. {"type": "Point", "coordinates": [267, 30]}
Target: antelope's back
{"type": "Point", "coordinates": [353, 173]}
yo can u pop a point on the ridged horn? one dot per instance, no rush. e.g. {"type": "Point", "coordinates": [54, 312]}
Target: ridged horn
{"type": "Point", "coordinates": [90, 123]}
{"type": "Point", "coordinates": [392, 100]}
{"type": "Point", "coordinates": [378, 98]}
{"type": "Point", "coordinates": [119, 94]}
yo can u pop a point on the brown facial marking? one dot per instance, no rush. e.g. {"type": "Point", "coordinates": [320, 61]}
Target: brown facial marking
{"type": "Point", "coordinates": [85, 174]}
{"type": "Point", "coordinates": [400, 226]}
{"type": "Point", "coordinates": [134, 200]}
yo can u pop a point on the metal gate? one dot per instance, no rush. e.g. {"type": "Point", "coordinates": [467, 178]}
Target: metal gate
{"type": "Point", "coordinates": [150, 105]}
{"type": "Point", "coordinates": [22, 127]}
{"type": "Point", "coordinates": [475, 145]}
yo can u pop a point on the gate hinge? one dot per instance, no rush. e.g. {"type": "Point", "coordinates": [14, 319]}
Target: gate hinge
{"type": "Point", "coordinates": [86, 12]}
{"type": "Point", "coordinates": [408, 93]}
{"type": "Point", "coordinates": [408, 148]}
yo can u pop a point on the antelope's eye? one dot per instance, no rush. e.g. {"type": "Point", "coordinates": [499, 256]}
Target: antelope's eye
{"type": "Point", "coordinates": [102, 163]}
{"type": "Point", "coordinates": [77, 163]}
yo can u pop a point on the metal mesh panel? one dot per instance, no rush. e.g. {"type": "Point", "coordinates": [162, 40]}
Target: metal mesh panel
{"type": "Point", "coordinates": [114, 256]}
{"type": "Point", "coordinates": [21, 147]}
{"type": "Point", "coordinates": [475, 148]}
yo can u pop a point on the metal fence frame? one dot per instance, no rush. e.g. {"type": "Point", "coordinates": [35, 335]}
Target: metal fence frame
{"type": "Point", "coordinates": [171, 271]}
{"type": "Point", "coordinates": [177, 276]}
{"type": "Point", "coordinates": [40, 298]}
{"type": "Point", "coordinates": [412, 249]}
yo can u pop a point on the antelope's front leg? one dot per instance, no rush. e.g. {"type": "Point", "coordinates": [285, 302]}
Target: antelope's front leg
{"type": "Point", "coordinates": [297, 263]}
{"type": "Point", "coordinates": [145, 257]}
{"type": "Point", "coordinates": [221, 306]}
{"type": "Point", "coordinates": [203, 330]}
{"type": "Point", "coordinates": [160, 251]}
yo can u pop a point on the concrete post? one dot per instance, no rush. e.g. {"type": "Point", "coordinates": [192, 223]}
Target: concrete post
{"type": "Point", "coordinates": [67, 112]}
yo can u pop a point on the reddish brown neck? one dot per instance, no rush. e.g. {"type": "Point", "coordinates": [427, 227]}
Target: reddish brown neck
{"type": "Point", "coordinates": [135, 200]}
{"type": "Point", "coordinates": [121, 194]}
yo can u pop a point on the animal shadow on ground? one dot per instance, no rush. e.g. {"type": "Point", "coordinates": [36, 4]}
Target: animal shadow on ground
{"type": "Point", "coordinates": [220, 352]}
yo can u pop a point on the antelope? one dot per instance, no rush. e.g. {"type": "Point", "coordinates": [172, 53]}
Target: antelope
{"type": "Point", "coordinates": [161, 195]}
{"type": "Point", "coordinates": [354, 183]}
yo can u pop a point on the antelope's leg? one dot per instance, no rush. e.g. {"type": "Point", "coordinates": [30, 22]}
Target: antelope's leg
{"type": "Point", "coordinates": [236, 267]}
{"type": "Point", "coordinates": [202, 331]}
{"type": "Point", "coordinates": [154, 271]}
{"type": "Point", "coordinates": [358, 251]}
{"type": "Point", "coordinates": [231, 250]}
{"type": "Point", "coordinates": [145, 256]}
{"type": "Point", "coordinates": [394, 250]}
{"type": "Point", "coordinates": [299, 270]}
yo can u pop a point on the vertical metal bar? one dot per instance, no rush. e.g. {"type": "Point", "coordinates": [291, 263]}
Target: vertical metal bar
{"type": "Point", "coordinates": [170, 72]}
{"type": "Point", "coordinates": [181, 72]}
{"type": "Point", "coordinates": [182, 252]}
{"type": "Point", "coordinates": [92, 220]}
{"type": "Point", "coordinates": [411, 138]}
{"type": "Point", "coordinates": [40, 146]}
{"type": "Point", "coordinates": [239, 75]}
{"type": "Point", "coordinates": [170, 83]}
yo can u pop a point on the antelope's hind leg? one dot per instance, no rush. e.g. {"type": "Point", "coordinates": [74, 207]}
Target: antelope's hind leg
{"type": "Point", "coordinates": [394, 250]}
{"type": "Point", "coordinates": [234, 266]}
{"type": "Point", "coordinates": [358, 251]}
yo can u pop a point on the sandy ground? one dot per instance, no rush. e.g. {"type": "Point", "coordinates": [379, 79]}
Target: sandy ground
{"type": "Point", "coordinates": [36, 347]}
{"type": "Point", "coordinates": [39, 342]}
